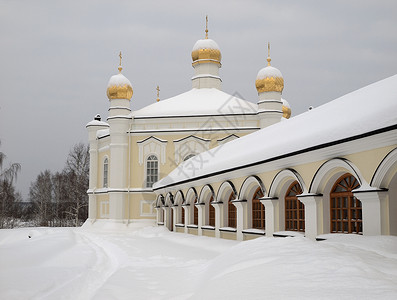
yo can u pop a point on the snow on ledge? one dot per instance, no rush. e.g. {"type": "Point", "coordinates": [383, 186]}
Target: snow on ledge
{"type": "Point", "coordinates": [254, 231]}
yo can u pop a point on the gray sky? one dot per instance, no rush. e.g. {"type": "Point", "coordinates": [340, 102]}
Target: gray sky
{"type": "Point", "coordinates": [57, 57]}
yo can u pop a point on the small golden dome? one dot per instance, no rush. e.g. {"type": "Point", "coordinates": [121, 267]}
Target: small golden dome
{"type": "Point", "coordinates": [119, 87]}
{"type": "Point", "coordinates": [286, 109]}
{"type": "Point", "coordinates": [269, 79]}
{"type": "Point", "coordinates": [206, 51]}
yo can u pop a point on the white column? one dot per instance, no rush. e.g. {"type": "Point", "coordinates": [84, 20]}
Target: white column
{"type": "Point", "coordinates": [186, 207]}
{"type": "Point", "coordinates": [271, 215]}
{"type": "Point", "coordinates": [218, 217]}
{"type": "Point", "coordinates": [373, 203]}
{"type": "Point", "coordinates": [174, 217]}
{"type": "Point", "coordinates": [167, 217]}
{"type": "Point", "coordinates": [201, 215]}
{"type": "Point", "coordinates": [313, 215]}
{"type": "Point", "coordinates": [241, 206]}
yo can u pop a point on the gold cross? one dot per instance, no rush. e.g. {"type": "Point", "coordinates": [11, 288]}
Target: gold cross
{"type": "Point", "coordinates": [158, 94]}
{"type": "Point", "coordinates": [120, 57]}
{"type": "Point", "coordinates": [206, 27]}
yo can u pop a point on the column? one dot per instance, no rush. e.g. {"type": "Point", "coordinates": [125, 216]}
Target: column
{"type": "Point", "coordinates": [313, 215]}
{"type": "Point", "coordinates": [241, 206]}
{"type": "Point", "coordinates": [373, 204]}
{"type": "Point", "coordinates": [271, 215]}
{"type": "Point", "coordinates": [219, 221]}
{"type": "Point", "coordinates": [201, 215]}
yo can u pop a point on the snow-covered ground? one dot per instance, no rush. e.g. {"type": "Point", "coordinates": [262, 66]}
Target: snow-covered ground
{"type": "Point", "coordinates": [152, 263]}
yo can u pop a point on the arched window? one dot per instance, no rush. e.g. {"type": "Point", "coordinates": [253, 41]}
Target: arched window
{"type": "Point", "coordinates": [212, 213]}
{"type": "Point", "coordinates": [232, 212]}
{"type": "Point", "coordinates": [105, 172]}
{"type": "Point", "coordinates": [294, 209]}
{"type": "Point", "coordinates": [195, 213]}
{"type": "Point", "coordinates": [346, 215]}
{"type": "Point", "coordinates": [152, 169]}
{"type": "Point", "coordinates": [258, 210]}
{"type": "Point", "coordinates": [189, 156]}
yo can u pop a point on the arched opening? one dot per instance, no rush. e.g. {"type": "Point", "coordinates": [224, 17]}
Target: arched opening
{"type": "Point", "coordinates": [232, 212]}
{"type": "Point", "coordinates": [258, 210]}
{"type": "Point", "coordinates": [211, 213]}
{"type": "Point", "coordinates": [345, 209]}
{"type": "Point", "coordinates": [152, 170]}
{"type": "Point", "coordinates": [294, 209]}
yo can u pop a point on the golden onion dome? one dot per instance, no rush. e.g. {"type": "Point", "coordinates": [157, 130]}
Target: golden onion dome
{"type": "Point", "coordinates": [286, 109]}
{"type": "Point", "coordinates": [269, 79]}
{"type": "Point", "coordinates": [206, 51]}
{"type": "Point", "coordinates": [119, 87]}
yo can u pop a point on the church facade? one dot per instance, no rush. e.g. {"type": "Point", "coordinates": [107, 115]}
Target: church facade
{"type": "Point", "coordinates": [134, 149]}
{"type": "Point", "coordinates": [201, 162]}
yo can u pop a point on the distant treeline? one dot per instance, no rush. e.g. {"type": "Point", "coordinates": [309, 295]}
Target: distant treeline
{"type": "Point", "coordinates": [58, 199]}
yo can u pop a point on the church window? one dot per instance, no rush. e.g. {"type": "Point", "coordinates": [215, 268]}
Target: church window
{"type": "Point", "coordinates": [232, 212]}
{"type": "Point", "coordinates": [294, 209]}
{"type": "Point", "coordinates": [258, 210]}
{"type": "Point", "coordinates": [152, 168]}
{"type": "Point", "coordinates": [105, 172]}
{"type": "Point", "coordinates": [346, 214]}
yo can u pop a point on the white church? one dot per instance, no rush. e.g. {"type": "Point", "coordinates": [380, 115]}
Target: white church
{"type": "Point", "coordinates": [208, 163]}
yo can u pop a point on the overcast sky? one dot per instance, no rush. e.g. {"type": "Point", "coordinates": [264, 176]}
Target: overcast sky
{"type": "Point", "coordinates": [57, 57]}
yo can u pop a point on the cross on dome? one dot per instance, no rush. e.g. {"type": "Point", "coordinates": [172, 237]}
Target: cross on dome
{"type": "Point", "coordinates": [206, 27]}
{"type": "Point", "coordinates": [120, 67]}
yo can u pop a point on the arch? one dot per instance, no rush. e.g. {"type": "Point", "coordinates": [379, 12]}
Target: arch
{"type": "Point", "coordinates": [386, 170]}
{"type": "Point", "coordinates": [169, 199]}
{"type": "Point", "coordinates": [224, 189]}
{"type": "Point", "coordinates": [151, 170]}
{"type": "Point", "coordinates": [285, 177]}
{"type": "Point", "coordinates": [206, 191]}
{"type": "Point", "coordinates": [191, 196]}
{"type": "Point", "coordinates": [160, 201]}
{"type": "Point", "coordinates": [330, 171]}
{"type": "Point", "coordinates": [179, 198]}
{"type": "Point", "coordinates": [249, 186]}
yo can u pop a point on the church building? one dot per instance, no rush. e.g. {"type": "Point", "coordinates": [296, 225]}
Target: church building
{"type": "Point", "coordinates": [188, 162]}
{"type": "Point", "coordinates": [134, 149]}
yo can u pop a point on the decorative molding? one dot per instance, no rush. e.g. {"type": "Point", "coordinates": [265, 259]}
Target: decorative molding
{"type": "Point", "coordinates": [152, 145]}
{"type": "Point", "coordinates": [188, 145]}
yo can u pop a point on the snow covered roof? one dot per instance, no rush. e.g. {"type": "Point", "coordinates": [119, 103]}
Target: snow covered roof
{"type": "Point", "coordinates": [97, 123]}
{"type": "Point", "coordinates": [362, 111]}
{"type": "Point", "coordinates": [198, 102]}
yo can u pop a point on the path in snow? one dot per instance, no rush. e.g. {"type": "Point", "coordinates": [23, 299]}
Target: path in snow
{"type": "Point", "coordinates": [152, 263]}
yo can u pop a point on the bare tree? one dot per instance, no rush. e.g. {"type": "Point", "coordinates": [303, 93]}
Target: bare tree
{"type": "Point", "coordinates": [77, 173]}
{"type": "Point", "coordinates": [7, 191]}
{"type": "Point", "coordinates": [40, 194]}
